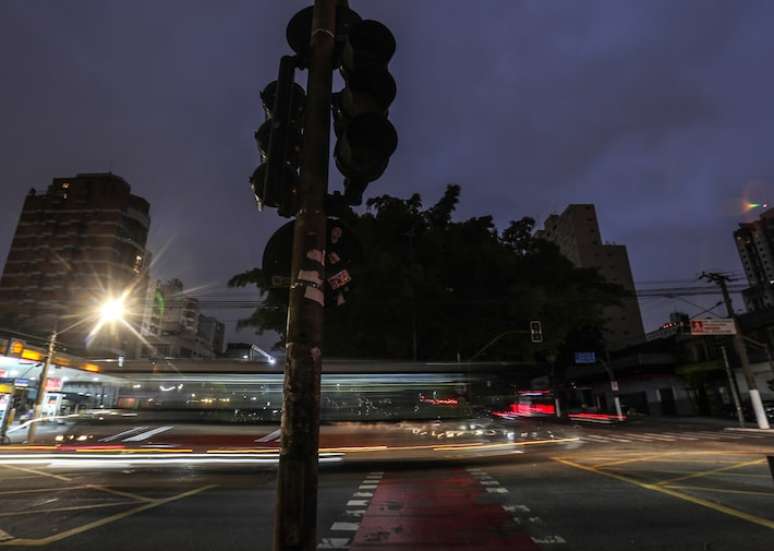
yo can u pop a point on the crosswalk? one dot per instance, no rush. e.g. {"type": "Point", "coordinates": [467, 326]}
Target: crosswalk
{"type": "Point", "coordinates": [671, 436]}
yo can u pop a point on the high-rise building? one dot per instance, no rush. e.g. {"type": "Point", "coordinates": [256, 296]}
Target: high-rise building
{"type": "Point", "coordinates": [75, 244]}
{"type": "Point", "coordinates": [173, 327]}
{"type": "Point", "coordinates": [576, 233]}
{"type": "Point", "coordinates": [755, 243]}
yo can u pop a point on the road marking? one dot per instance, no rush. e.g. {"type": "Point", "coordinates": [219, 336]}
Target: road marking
{"type": "Point", "coordinates": [272, 436]}
{"type": "Point", "coordinates": [345, 526]}
{"type": "Point", "coordinates": [515, 508]}
{"type": "Point", "coordinates": [355, 513]}
{"type": "Point", "coordinates": [60, 509]}
{"type": "Point", "coordinates": [363, 494]}
{"type": "Point", "coordinates": [120, 493]}
{"type": "Point", "coordinates": [489, 483]}
{"type": "Point", "coordinates": [674, 493]}
{"type": "Point", "coordinates": [101, 522]}
{"type": "Point", "coordinates": [659, 436]}
{"type": "Point", "coordinates": [36, 490]}
{"type": "Point", "coordinates": [710, 472]}
{"type": "Point", "coordinates": [647, 457]}
{"type": "Point", "coordinates": [681, 435]}
{"type": "Point", "coordinates": [37, 472]}
{"type": "Point", "coordinates": [5, 536]}
{"type": "Point", "coordinates": [549, 539]}
{"type": "Point", "coordinates": [497, 490]}
{"type": "Point", "coordinates": [368, 487]}
{"type": "Point", "coordinates": [334, 543]}
{"type": "Point", "coordinates": [357, 503]}
{"type": "Point", "coordinates": [720, 490]}
{"type": "Point", "coordinates": [122, 434]}
{"type": "Point", "coordinates": [147, 434]}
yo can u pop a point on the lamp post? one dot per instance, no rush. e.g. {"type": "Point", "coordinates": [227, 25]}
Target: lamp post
{"type": "Point", "coordinates": [111, 310]}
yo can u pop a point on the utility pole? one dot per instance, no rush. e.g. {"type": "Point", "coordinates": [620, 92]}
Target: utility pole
{"type": "Point", "coordinates": [732, 387]}
{"type": "Point", "coordinates": [42, 383]}
{"type": "Point", "coordinates": [721, 280]}
{"type": "Point", "coordinates": [295, 519]}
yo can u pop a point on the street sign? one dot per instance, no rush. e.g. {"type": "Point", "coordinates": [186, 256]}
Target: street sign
{"type": "Point", "coordinates": [344, 254]}
{"type": "Point", "coordinates": [585, 357]}
{"type": "Point", "coordinates": [713, 327]}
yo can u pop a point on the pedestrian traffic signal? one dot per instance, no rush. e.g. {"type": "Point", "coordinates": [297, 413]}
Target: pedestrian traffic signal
{"type": "Point", "coordinates": [279, 141]}
{"type": "Point", "coordinates": [536, 331]}
{"type": "Point", "coordinates": [366, 139]}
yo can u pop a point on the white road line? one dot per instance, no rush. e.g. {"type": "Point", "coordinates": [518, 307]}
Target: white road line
{"type": "Point", "coordinates": [368, 487]}
{"type": "Point", "coordinates": [334, 543]}
{"type": "Point", "coordinates": [357, 503]}
{"type": "Point", "coordinates": [497, 490]}
{"type": "Point", "coordinates": [489, 483]}
{"type": "Point", "coordinates": [355, 512]}
{"type": "Point", "coordinates": [147, 434]}
{"type": "Point", "coordinates": [515, 508]}
{"type": "Point", "coordinates": [363, 494]}
{"type": "Point", "coordinates": [638, 437]}
{"type": "Point", "coordinates": [122, 434]}
{"type": "Point", "coordinates": [548, 539]}
{"type": "Point", "coordinates": [345, 526]}
{"type": "Point", "coordinates": [271, 436]}
{"type": "Point", "coordinates": [682, 436]}
{"type": "Point", "coordinates": [596, 439]}
{"type": "Point", "coordinates": [659, 436]}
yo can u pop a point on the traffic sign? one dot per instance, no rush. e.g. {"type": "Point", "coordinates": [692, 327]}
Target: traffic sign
{"type": "Point", "coordinates": [722, 326]}
{"type": "Point", "coordinates": [344, 256]}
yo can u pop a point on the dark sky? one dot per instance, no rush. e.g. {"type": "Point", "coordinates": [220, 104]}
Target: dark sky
{"type": "Point", "coordinates": [659, 112]}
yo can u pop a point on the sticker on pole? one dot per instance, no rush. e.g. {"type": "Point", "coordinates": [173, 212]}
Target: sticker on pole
{"type": "Point", "coordinates": [713, 327]}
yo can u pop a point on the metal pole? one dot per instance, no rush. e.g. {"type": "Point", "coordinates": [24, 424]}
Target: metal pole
{"type": "Point", "coordinates": [42, 383]}
{"type": "Point", "coordinates": [732, 387]}
{"type": "Point", "coordinates": [614, 389]}
{"type": "Point", "coordinates": [296, 507]}
{"type": "Point", "coordinates": [741, 351]}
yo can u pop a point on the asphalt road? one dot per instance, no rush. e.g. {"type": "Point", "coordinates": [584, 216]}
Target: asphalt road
{"type": "Point", "coordinates": [633, 486]}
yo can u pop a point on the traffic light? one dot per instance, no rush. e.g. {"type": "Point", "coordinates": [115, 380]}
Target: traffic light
{"type": "Point", "coordinates": [279, 141]}
{"type": "Point", "coordinates": [536, 331]}
{"type": "Point", "coordinates": [366, 139]}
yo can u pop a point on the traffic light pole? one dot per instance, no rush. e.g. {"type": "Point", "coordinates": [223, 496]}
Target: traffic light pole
{"type": "Point", "coordinates": [296, 506]}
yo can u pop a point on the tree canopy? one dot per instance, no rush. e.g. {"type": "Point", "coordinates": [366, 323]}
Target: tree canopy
{"type": "Point", "coordinates": [452, 286]}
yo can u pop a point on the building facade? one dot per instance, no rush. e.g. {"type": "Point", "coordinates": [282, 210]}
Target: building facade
{"type": "Point", "coordinates": [76, 244]}
{"type": "Point", "coordinates": [173, 327]}
{"type": "Point", "coordinates": [755, 244]}
{"type": "Point", "coordinates": [576, 233]}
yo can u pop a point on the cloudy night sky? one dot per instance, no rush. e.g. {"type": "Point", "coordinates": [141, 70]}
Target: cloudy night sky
{"type": "Point", "coordinates": [659, 112]}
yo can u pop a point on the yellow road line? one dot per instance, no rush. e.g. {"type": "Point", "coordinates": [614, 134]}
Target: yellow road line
{"type": "Point", "coordinates": [37, 472]}
{"type": "Point", "coordinates": [679, 495]}
{"type": "Point", "coordinates": [713, 471]}
{"type": "Point", "coordinates": [105, 489]}
{"type": "Point", "coordinates": [101, 522]}
{"type": "Point", "coordinates": [61, 509]}
{"type": "Point", "coordinates": [36, 490]}
{"type": "Point", "coordinates": [721, 490]}
{"type": "Point", "coordinates": [648, 457]}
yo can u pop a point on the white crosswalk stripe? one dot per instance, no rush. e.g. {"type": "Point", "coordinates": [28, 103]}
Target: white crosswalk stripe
{"type": "Point", "coordinates": [672, 436]}
{"type": "Point", "coordinates": [147, 434]}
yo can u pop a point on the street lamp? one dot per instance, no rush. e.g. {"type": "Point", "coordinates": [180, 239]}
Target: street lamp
{"type": "Point", "coordinates": [112, 310]}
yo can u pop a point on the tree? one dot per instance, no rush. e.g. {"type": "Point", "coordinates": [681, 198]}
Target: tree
{"type": "Point", "coordinates": [452, 284]}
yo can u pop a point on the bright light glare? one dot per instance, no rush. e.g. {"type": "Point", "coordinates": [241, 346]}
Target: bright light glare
{"type": "Point", "coordinates": [112, 310]}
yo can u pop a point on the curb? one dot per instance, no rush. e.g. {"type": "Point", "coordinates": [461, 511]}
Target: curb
{"type": "Point", "coordinates": [739, 429]}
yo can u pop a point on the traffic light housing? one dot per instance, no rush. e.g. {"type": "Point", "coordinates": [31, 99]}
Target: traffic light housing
{"type": "Point", "coordinates": [536, 332]}
{"type": "Point", "coordinates": [366, 138]}
{"type": "Point", "coordinates": [279, 141]}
